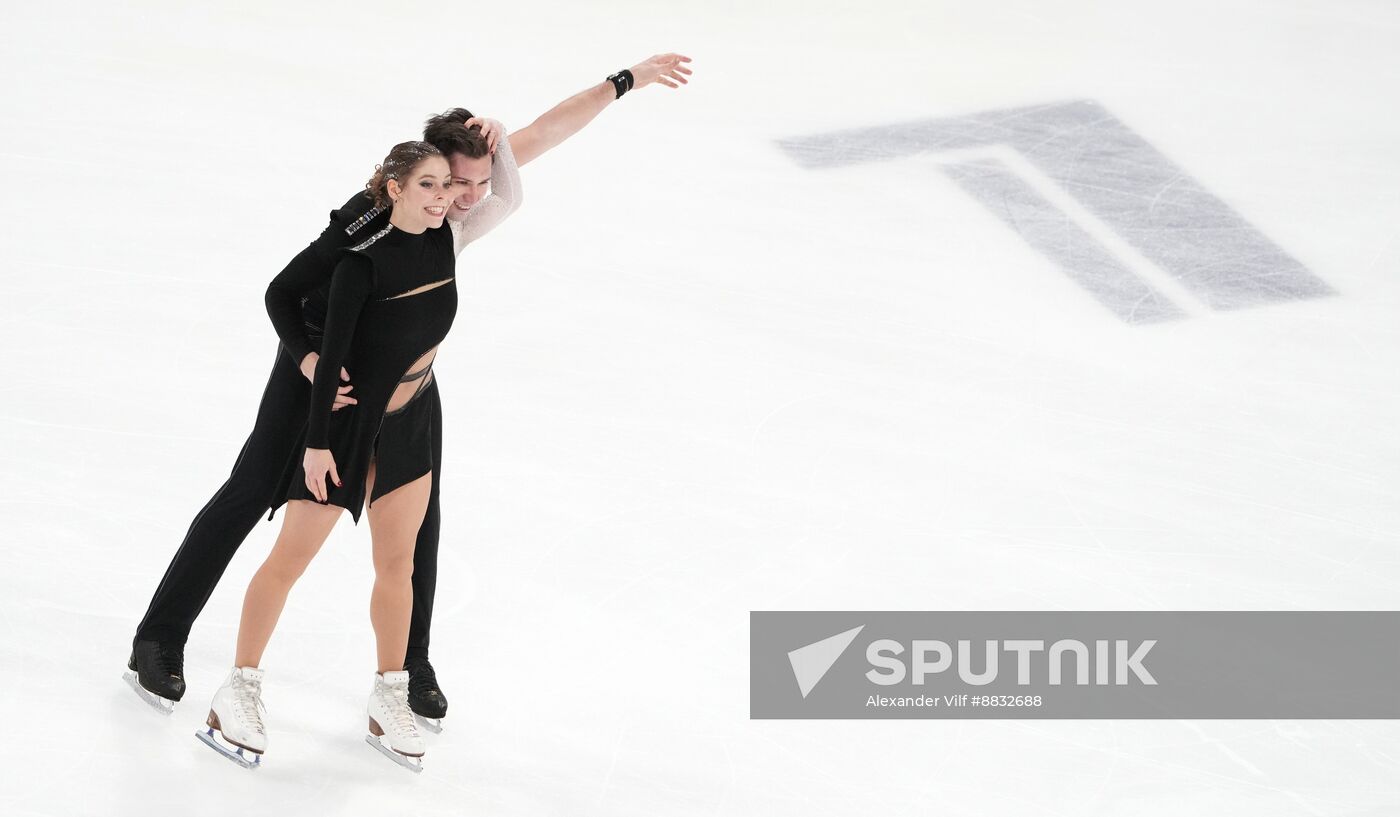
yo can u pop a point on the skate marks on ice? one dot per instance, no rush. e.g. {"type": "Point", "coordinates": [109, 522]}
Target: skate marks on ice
{"type": "Point", "coordinates": [1113, 182]}
{"type": "Point", "coordinates": [165, 706]}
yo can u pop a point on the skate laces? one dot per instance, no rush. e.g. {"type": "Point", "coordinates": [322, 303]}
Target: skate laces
{"type": "Point", "coordinates": [171, 659]}
{"type": "Point", "coordinates": [247, 702]}
{"type": "Point", "coordinates": [396, 698]}
{"type": "Point", "coordinates": [421, 678]}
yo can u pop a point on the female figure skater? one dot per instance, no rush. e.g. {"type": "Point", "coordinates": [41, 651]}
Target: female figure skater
{"type": "Point", "coordinates": [392, 300]}
{"type": "Point", "coordinates": [296, 302]}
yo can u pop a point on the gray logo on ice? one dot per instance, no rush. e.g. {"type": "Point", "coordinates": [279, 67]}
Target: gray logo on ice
{"type": "Point", "coordinates": [1096, 199]}
{"type": "Point", "coordinates": [811, 662]}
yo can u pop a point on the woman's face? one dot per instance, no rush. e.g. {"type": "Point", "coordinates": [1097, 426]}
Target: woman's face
{"type": "Point", "coordinates": [422, 201]}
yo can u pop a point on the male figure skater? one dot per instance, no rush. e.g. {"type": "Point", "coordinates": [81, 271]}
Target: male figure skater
{"type": "Point", "coordinates": [157, 658]}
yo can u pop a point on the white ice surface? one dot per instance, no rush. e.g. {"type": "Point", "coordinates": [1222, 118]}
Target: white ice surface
{"type": "Point", "coordinates": [688, 380]}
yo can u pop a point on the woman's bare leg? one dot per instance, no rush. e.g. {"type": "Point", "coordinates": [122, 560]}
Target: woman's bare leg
{"type": "Point", "coordinates": [305, 526]}
{"type": "Point", "coordinates": [394, 520]}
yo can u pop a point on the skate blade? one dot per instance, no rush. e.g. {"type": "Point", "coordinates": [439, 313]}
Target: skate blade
{"type": "Point", "coordinates": [237, 754]}
{"type": "Point", "coordinates": [433, 725]}
{"type": "Point", "coordinates": [413, 764]}
{"type": "Point", "coordinates": [165, 706]}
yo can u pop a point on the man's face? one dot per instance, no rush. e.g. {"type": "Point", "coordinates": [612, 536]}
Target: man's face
{"type": "Point", "coordinates": [470, 182]}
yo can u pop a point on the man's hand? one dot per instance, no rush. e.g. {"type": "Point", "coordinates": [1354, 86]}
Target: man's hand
{"type": "Point", "coordinates": [491, 129]}
{"type": "Point", "coordinates": [342, 394]}
{"type": "Point", "coordinates": [663, 68]}
{"type": "Point", "coordinates": [316, 463]}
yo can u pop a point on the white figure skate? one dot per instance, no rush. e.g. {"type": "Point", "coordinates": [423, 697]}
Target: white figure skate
{"type": "Point", "coordinates": [236, 716]}
{"type": "Point", "coordinates": [392, 729]}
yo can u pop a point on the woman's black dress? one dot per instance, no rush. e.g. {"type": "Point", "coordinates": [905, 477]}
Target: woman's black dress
{"type": "Point", "coordinates": [384, 338]}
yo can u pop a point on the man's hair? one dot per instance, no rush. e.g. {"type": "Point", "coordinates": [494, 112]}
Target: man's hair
{"type": "Point", "coordinates": [445, 132]}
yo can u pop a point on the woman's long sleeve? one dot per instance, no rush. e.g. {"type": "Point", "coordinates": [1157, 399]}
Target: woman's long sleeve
{"type": "Point", "coordinates": [351, 285]}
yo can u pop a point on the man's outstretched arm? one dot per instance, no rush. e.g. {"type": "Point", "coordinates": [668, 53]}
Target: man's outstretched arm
{"type": "Point", "coordinates": [570, 116]}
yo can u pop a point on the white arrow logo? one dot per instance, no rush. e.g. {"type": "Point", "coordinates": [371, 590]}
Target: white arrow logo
{"type": "Point", "coordinates": [811, 662]}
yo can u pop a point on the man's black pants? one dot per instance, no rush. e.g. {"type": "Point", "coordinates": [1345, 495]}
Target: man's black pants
{"type": "Point", "coordinates": [233, 512]}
